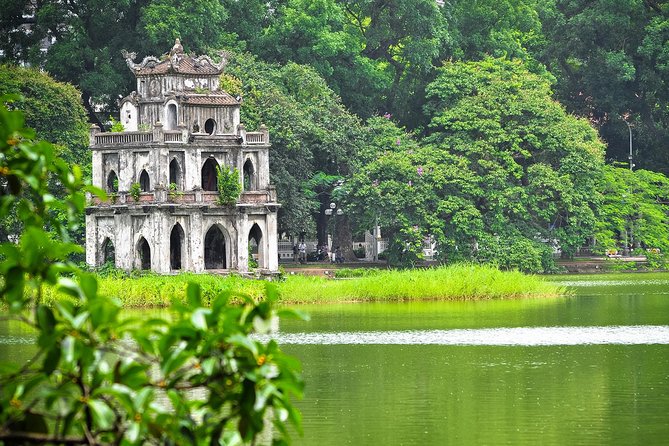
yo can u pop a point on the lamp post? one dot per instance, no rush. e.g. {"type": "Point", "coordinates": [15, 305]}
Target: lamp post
{"type": "Point", "coordinates": [626, 250]}
{"type": "Point", "coordinates": [334, 210]}
{"type": "Point", "coordinates": [629, 127]}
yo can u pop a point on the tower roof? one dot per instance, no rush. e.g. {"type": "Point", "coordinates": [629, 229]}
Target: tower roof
{"type": "Point", "coordinates": [176, 62]}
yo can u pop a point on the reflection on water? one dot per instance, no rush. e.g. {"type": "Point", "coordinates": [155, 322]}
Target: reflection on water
{"type": "Point", "coordinates": [589, 369]}
{"type": "Point", "coordinates": [521, 336]}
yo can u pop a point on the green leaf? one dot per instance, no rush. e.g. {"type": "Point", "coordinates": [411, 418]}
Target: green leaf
{"type": "Point", "coordinates": [103, 415]}
{"type": "Point", "coordinates": [194, 295]}
{"type": "Point", "coordinates": [199, 318]}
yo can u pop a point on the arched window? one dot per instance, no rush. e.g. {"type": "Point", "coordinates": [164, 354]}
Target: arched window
{"type": "Point", "coordinates": [214, 249]}
{"type": "Point", "coordinates": [144, 182]}
{"type": "Point", "coordinates": [112, 182]}
{"type": "Point", "coordinates": [209, 175]}
{"type": "Point", "coordinates": [256, 251]}
{"type": "Point", "coordinates": [175, 173]}
{"type": "Point", "coordinates": [171, 117]}
{"type": "Point", "coordinates": [210, 126]}
{"type": "Point", "coordinates": [108, 252]}
{"type": "Point", "coordinates": [144, 253]}
{"type": "Point", "coordinates": [249, 176]}
{"type": "Point", "coordinates": [176, 246]}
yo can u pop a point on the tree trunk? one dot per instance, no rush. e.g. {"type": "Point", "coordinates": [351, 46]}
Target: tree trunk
{"type": "Point", "coordinates": [344, 238]}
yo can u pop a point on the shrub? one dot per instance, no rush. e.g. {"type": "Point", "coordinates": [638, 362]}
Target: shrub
{"type": "Point", "coordinates": [229, 187]}
{"type": "Point", "coordinates": [99, 378]}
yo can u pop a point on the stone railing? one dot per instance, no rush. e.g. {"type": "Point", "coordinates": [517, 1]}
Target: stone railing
{"type": "Point", "coordinates": [103, 139]}
{"type": "Point", "coordinates": [255, 138]}
{"type": "Point", "coordinates": [163, 196]}
{"type": "Point", "coordinates": [173, 136]}
{"type": "Point", "coordinates": [251, 197]}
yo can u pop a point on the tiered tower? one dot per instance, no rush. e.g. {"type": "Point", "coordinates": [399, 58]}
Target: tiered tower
{"type": "Point", "coordinates": [161, 176]}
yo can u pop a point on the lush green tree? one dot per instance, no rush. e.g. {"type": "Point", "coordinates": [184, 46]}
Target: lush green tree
{"type": "Point", "coordinates": [313, 136]}
{"type": "Point", "coordinates": [498, 28]}
{"type": "Point", "coordinates": [54, 110]}
{"type": "Point", "coordinates": [503, 169]}
{"type": "Point", "coordinates": [98, 378]}
{"type": "Point", "coordinates": [610, 60]}
{"type": "Point", "coordinates": [634, 212]}
{"type": "Point", "coordinates": [537, 166]}
{"type": "Point", "coordinates": [85, 39]}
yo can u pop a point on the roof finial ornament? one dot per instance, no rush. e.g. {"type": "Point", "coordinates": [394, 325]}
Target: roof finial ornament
{"type": "Point", "coordinates": [177, 48]}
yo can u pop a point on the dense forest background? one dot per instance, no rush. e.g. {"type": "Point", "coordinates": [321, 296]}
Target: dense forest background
{"type": "Point", "coordinates": [492, 126]}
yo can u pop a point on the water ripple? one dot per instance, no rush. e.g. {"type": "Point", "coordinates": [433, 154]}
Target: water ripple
{"type": "Point", "coordinates": [521, 336]}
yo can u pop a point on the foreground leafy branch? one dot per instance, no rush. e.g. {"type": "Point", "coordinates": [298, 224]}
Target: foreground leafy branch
{"type": "Point", "coordinates": [99, 378]}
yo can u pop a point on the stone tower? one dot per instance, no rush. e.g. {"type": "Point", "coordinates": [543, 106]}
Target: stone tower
{"type": "Point", "coordinates": [161, 176]}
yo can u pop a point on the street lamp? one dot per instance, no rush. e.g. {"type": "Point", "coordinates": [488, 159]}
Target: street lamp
{"type": "Point", "coordinates": [629, 127]}
{"type": "Point", "coordinates": [334, 210]}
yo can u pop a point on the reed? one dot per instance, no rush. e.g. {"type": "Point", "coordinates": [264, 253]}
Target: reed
{"type": "Point", "coordinates": [456, 282]}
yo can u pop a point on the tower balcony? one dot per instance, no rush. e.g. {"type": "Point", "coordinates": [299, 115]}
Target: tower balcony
{"type": "Point", "coordinates": [182, 136]}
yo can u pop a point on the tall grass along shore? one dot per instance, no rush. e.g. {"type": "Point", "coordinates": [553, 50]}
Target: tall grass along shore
{"type": "Point", "coordinates": [457, 282]}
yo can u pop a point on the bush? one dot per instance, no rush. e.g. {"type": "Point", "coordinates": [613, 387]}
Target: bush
{"type": "Point", "coordinates": [99, 378]}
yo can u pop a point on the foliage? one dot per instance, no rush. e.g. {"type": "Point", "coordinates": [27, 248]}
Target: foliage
{"type": "Point", "coordinates": [313, 136]}
{"type": "Point", "coordinates": [54, 110]}
{"type": "Point", "coordinates": [174, 192]}
{"type": "Point", "coordinates": [135, 191]}
{"type": "Point", "coordinates": [98, 378]}
{"type": "Point", "coordinates": [502, 161]}
{"type": "Point", "coordinates": [115, 126]}
{"type": "Point", "coordinates": [610, 61]}
{"type": "Point", "coordinates": [228, 185]}
{"type": "Point", "coordinates": [634, 210]}
{"type": "Point", "coordinates": [454, 282]}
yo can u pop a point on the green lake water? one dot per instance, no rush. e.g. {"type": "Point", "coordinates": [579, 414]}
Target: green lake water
{"type": "Point", "coordinates": [588, 369]}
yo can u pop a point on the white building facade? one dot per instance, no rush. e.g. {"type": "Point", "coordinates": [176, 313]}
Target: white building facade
{"type": "Point", "coordinates": [161, 176]}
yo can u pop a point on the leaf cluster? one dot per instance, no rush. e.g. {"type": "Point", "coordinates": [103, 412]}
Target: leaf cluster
{"type": "Point", "coordinates": [100, 378]}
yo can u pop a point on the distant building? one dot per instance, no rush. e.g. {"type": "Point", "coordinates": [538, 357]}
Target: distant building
{"type": "Point", "coordinates": [179, 128]}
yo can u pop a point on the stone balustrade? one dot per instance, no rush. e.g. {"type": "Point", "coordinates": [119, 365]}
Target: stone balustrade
{"type": "Point", "coordinates": [158, 136]}
{"type": "Point", "coordinates": [204, 197]}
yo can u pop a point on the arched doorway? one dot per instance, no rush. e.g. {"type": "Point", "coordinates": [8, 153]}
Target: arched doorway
{"type": "Point", "coordinates": [256, 251]}
{"type": "Point", "coordinates": [171, 121]}
{"type": "Point", "coordinates": [214, 249]}
{"type": "Point", "coordinates": [249, 176]}
{"type": "Point", "coordinates": [112, 182]}
{"type": "Point", "coordinates": [108, 252]}
{"type": "Point", "coordinates": [144, 253]}
{"type": "Point", "coordinates": [209, 175]}
{"type": "Point", "coordinates": [175, 174]}
{"type": "Point", "coordinates": [144, 181]}
{"type": "Point", "coordinates": [176, 246]}
{"type": "Point", "coordinates": [210, 126]}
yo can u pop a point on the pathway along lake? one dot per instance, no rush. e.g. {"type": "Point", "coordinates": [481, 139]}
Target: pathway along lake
{"type": "Point", "coordinates": [590, 369]}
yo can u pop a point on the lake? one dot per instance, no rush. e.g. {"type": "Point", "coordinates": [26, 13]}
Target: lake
{"type": "Point", "coordinates": [590, 368]}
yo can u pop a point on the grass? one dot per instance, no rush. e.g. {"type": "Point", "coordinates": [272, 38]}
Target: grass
{"type": "Point", "coordinates": [457, 282]}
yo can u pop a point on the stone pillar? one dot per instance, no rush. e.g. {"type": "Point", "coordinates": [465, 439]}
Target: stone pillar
{"type": "Point", "coordinates": [196, 251]}
{"type": "Point", "coordinates": [242, 243]}
{"type": "Point", "coordinates": [241, 132]}
{"type": "Point", "coordinates": [160, 254]}
{"type": "Point", "coordinates": [97, 175]}
{"type": "Point", "coordinates": [125, 241]}
{"type": "Point", "coordinates": [158, 135]}
{"type": "Point", "coordinates": [160, 193]}
{"type": "Point", "coordinates": [126, 174]}
{"type": "Point", "coordinates": [94, 130]}
{"type": "Point", "coordinates": [91, 239]}
{"type": "Point", "coordinates": [272, 242]}
{"type": "Point", "coordinates": [265, 131]}
{"type": "Point", "coordinates": [184, 132]}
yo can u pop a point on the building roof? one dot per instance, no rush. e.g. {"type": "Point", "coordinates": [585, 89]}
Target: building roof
{"type": "Point", "coordinates": [175, 62]}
